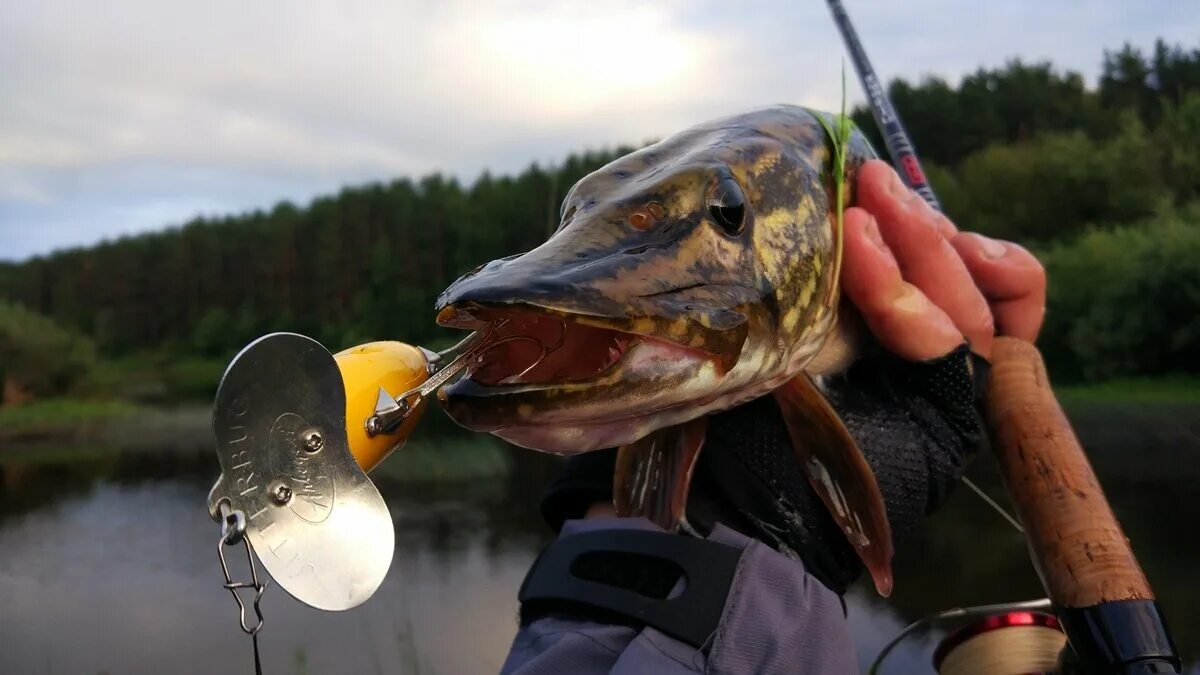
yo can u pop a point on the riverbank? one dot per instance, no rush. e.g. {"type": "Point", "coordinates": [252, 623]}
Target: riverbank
{"type": "Point", "coordinates": [1171, 390]}
{"type": "Point", "coordinates": [69, 429]}
{"type": "Point", "coordinates": [103, 422]}
{"type": "Point", "coordinates": [1125, 409]}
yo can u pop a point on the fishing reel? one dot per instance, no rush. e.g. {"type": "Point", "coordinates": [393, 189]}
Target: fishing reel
{"type": "Point", "coordinates": [297, 431]}
{"type": "Point", "coordinates": [998, 639]}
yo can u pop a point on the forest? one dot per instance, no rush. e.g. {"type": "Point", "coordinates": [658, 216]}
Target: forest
{"type": "Point", "coordinates": [1102, 182]}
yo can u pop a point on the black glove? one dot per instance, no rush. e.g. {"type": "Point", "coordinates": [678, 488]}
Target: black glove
{"type": "Point", "coordinates": [583, 480]}
{"type": "Point", "coordinates": [916, 424]}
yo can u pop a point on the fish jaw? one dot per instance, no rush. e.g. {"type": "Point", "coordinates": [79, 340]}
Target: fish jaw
{"type": "Point", "coordinates": [599, 403]}
{"type": "Point", "coordinates": [577, 437]}
{"type": "Point", "coordinates": [565, 383]}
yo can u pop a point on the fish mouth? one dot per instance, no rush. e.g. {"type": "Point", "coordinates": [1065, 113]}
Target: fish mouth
{"type": "Point", "coordinates": [535, 365]}
{"type": "Point", "coordinates": [525, 345]}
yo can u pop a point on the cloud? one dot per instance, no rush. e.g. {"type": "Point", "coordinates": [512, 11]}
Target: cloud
{"type": "Point", "coordinates": [123, 118]}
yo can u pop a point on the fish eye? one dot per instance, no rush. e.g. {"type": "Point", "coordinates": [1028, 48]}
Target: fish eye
{"type": "Point", "coordinates": [727, 206]}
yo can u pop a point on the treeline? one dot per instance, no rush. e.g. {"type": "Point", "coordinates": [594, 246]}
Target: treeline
{"type": "Point", "coordinates": [1021, 151]}
{"type": "Point", "coordinates": [1030, 153]}
{"type": "Point", "coordinates": [365, 264]}
{"type": "Point", "coordinates": [1022, 101]}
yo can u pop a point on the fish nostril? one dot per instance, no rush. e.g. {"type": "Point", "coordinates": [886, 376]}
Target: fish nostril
{"type": "Point", "coordinates": [647, 216]}
{"type": "Point", "coordinates": [581, 256]}
{"type": "Point", "coordinates": [639, 220]}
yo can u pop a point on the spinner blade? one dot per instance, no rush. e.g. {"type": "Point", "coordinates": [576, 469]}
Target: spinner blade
{"type": "Point", "coordinates": [316, 522]}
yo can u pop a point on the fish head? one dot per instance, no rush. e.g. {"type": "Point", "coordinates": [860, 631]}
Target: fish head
{"type": "Point", "coordinates": [685, 277]}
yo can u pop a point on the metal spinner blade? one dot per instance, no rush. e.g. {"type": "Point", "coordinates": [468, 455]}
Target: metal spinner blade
{"type": "Point", "coordinates": [318, 524]}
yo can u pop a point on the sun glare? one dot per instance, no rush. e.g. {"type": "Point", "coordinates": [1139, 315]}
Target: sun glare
{"type": "Point", "coordinates": [578, 58]}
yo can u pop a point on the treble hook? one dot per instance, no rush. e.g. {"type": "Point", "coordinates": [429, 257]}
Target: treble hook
{"type": "Point", "coordinates": [468, 352]}
{"type": "Point", "coordinates": [545, 351]}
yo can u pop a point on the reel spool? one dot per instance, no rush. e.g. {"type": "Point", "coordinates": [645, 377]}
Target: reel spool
{"type": "Point", "coordinates": [1002, 644]}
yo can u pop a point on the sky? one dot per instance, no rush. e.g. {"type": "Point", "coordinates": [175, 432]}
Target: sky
{"type": "Point", "coordinates": [118, 118]}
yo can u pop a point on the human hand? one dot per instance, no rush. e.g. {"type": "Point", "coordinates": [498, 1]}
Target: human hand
{"type": "Point", "coordinates": [922, 286]}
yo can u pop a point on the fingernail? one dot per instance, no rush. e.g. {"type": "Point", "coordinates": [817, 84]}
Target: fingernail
{"type": "Point", "coordinates": [909, 299]}
{"type": "Point", "coordinates": [991, 248]}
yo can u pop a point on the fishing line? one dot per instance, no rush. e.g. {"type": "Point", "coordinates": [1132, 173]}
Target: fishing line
{"type": "Point", "coordinates": [992, 503]}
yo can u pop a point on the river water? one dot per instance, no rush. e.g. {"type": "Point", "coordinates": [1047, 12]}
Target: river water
{"type": "Point", "coordinates": [108, 563]}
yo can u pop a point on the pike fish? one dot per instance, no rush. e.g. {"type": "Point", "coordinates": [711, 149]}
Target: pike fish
{"type": "Point", "coordinates": [685, 278]}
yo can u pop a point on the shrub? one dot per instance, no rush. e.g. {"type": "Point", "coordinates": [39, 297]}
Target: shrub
{"type": "Point", "coordinates": [1055, 186]}
{"type": "Point", "coordinates": [1125, 301]}
{"type": "Point", "coordinates": [37, 356]}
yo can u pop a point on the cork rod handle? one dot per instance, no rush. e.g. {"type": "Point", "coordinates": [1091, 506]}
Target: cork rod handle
{"type": "Point", "coordinates": [1077, 546]}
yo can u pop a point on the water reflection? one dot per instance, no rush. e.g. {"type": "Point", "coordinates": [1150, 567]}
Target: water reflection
{"type": "Point", "coordinates": [109, 566]}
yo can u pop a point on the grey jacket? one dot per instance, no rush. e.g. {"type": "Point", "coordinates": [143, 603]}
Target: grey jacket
{"type": "Point", "coordinates": [777, 619]}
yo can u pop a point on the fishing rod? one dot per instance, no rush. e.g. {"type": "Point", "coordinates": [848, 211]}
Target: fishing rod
{"type": "Point", "coordinates": [1098, 591]}
{"type": "Point", "coordinates": [895, 137]}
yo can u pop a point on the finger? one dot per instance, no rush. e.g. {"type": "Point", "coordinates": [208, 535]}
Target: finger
{"type": "Point", "coordinates": [916, 236]}
{"type": "Point", "coordinates": [900, 316]}
{"type": "Point", "coordinates": [877, 174]}
{"type": "Point", "coordinates": [1012, 280]}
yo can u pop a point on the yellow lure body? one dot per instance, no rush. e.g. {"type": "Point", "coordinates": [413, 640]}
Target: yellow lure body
{"type": "Point", "coordinates": [396, 368]}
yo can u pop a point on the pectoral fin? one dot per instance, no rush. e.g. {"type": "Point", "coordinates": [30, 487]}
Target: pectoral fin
{"type": "Point", "coordinates": [839, 474]}
{"type": "Point", "coordinates": [653, 474]}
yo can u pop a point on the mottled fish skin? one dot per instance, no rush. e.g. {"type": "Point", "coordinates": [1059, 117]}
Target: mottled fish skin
{"type": "Point", "coordinates": [638, 251]}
